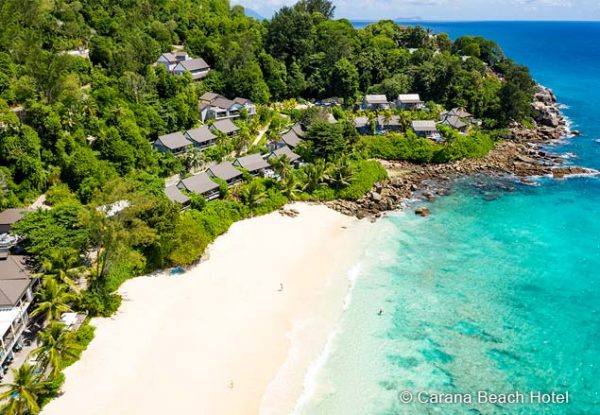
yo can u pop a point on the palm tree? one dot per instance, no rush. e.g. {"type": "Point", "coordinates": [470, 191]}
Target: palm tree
{"type": "Point", "coordinates": [53, 300]}
{"type": "Point", "coordinates": [315, 174]}
{"type": "Point", "coordinates": [242, 141]}
{"type": "Point", "coordinates": [60, 265]}
{"type": "Point", "coordinates": [282, 165]}
{"type": "Point", "coordinates": [194, 159]}
{"type": "Point", "coordinates": [254, 194]}
{"type": "Point", "coordinates": [58, 345]}
{"type": "Point", "coordinates": [340, 174]}
{"type": "Point", "coordinates": [289, 187]}
{"type": "Point", "coordinates": [23, 393]}
{"type": "Point", "coordinates": [372, 117]}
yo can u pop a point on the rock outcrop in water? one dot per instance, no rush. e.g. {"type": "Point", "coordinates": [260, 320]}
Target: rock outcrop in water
{"type": "Point", "coordinates": [521, 155]}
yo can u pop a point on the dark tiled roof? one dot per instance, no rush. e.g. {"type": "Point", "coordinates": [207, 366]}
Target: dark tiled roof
{"type": "Point", "coordinates": [196, 64]}
{"type": "Point", "coordinates": [376, 99]}
{"type": "Point", "coordinates": [285, 151]}
{"type": "Point", "coordinates": [424, 125]}
{"type": "Point", "coordinates": [174, 141]}
{"type": "Point", "coordinates": [224, 171]}
{"type": "Point", "coordinates": [222, 102]}
{"type": "Point", "coordinates": [291, 138]}
{"type": "Point", "coordinates": [201, 134]}
{"type": "Point", "coordinates": [225, 126]}
{"type": "Point", "coordinates": [15, 278]}
{"type": "Point", "coordinates": [208, 96]}
{"type": "Point", "coordinates": [454, 121]}
{"type": "Point", "coordinates": [175, 195]}
{"type": "Point", "coordinates": [252, 162]}
{"type": "Point", "coordinates": [409, 99]}
{"type": "Point", "coordinates": [12, 215]}
{"type": "Point", "coordinates": [200, 183]}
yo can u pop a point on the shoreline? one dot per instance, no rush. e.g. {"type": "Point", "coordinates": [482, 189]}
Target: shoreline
{"type": "Point", "coordinates": [222, 337]}
{"type": "Point", "coordinates": [521, 155]}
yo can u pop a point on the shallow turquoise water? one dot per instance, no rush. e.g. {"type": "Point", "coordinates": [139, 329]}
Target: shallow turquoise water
{"type": "Point", "coordinates": [496, 295]}
{"type": "Point", "coordinates": [500, 295]}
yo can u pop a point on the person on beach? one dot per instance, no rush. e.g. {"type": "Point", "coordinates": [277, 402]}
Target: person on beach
{"type": "Point", "coordinates": [280, 287]}
{"type": "Point", "coordinates": [380, 313]}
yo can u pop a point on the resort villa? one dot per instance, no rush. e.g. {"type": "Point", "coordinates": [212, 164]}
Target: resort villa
{"type": "Point", "coordinates": [293, 158]}
{"type": "Point", "coordinates": [382, 124]}
{"type": "Point", "coordinates": [201, 137]}
{"type": "Point", "coordinates": [409, 102]}
{"type": "Point", "coordinates": [376, 102]}
{"type": "Point", "coordinates": [225, 171]}
{"type": "Point", "coordinates": [455, 122]}
{"type": "Point", "coordinates": [226, 127]}
{"type": "Point", "coordinates": [291, 138]}
{"type": "Point", "coordinates": [426, 129]}
{"type": "Point", "coordinates": [215, 106]}
{"type": "Point", "coordinates": [362, 125]}
{"type": "Point", "coordinates": [16, 295]}
{"type": "Point", "coordinates": [180, 62]}
{"type": "Point", "coordinates": [459, 119]}
{"type": "Point", "coordinates": [253, 163]}
{"type": "Point", "coordinates": [175, 195]}
{"type": "Point", "coordinates": [9, 217]}
{"type": "Point", "coordinates": [175, 143]}
{"type": "Point", "coordinates": [200, 184]}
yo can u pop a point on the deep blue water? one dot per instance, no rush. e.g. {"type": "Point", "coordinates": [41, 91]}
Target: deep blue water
{"type": "Point", "coordinates": [499, 295]}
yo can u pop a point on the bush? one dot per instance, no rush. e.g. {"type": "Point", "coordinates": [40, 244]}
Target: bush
{"type": "Point", "coordinates": [421, 150]}
{"type": "Point", "coordinates": [97, 302]}
{"type": "Point", "coordinates": [367, 173]}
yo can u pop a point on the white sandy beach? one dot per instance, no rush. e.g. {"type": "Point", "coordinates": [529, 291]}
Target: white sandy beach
{"type": "Point", "coordinates": [221, 338]}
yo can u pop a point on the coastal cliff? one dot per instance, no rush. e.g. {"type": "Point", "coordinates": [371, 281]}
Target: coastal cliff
{"type": "Point", "coordinates": [521, 154]}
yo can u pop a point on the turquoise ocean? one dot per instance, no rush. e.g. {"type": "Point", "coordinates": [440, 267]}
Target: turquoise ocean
{"type": "Point", "coordinates": [497, 290]}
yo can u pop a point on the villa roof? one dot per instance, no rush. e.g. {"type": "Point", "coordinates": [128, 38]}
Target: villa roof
{"type": "Point", "coordinates": [175, 57]}
{"type": "Point", "coordinates": [11, 216]}
{"type": "Point", "coordinates": [285, 151]}
{"type": "Point", "coordinates": [174, 141]}
{"type": "Point", "coordinates": [291, 138]}
{"type": "Point", "coordinates": [424, 125]}
{"type": "Point", "coordinates": [201, 134]}
{"type": "Point", "coordinates": [454, 121]}
{"type": "Point", "coordinates": [208, 96]}
{"type": "Point", "coordinates": [222, 102]}
{"type": "Point", "coordinates": [200, 183]}
{"type": "Point", "coordinates": [459, 112]}
{"type": "Point", "coordinates": [376, 99]}
{"type": "Point", "coordinates": [175, 195]}
{"type": "Point", "coordinates": [252, 162]}
{"type": "Point", "coordinates": [226, 126]}
{"type": "Point", "coordinates": [15, 278]}
{"type": "Point", "coordinates": [360, 122]}
{"type": "Point", "coordinates": [409, 99]}
{"type": "Point", "coordinates": [224, 171]}
{"type": "Point", "coordinates": [242, 101]}
{"type": "Point", "coordinates": [298, 129]}
{"type": "Point", "coordinates": [217, 100]}
{"type": "Point", "coordinates": [195, 64]}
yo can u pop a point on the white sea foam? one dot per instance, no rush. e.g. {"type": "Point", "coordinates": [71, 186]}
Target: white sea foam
{"type": "Point", "coordinates": [310, 383]}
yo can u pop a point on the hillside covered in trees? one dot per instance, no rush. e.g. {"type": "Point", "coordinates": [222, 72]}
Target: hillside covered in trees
{"type": "Point", "coordinates": [120, 98]}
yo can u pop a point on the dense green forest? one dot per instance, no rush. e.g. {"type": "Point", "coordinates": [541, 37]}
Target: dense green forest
{"type": "Point", "coordinates": [79, 129]}
{"type": "Point", "coordinates": [124, 101]}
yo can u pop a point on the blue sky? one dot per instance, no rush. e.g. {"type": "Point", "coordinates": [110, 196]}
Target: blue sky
{"type": "Point", "coordinates": [450, 9]}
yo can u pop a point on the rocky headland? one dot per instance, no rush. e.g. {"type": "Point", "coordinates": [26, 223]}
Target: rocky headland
{"type": "Point", "coordinates": [521, 155]}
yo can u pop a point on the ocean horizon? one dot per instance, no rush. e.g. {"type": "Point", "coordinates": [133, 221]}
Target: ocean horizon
{"type": "Point", "coordinates": [498, 290]}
